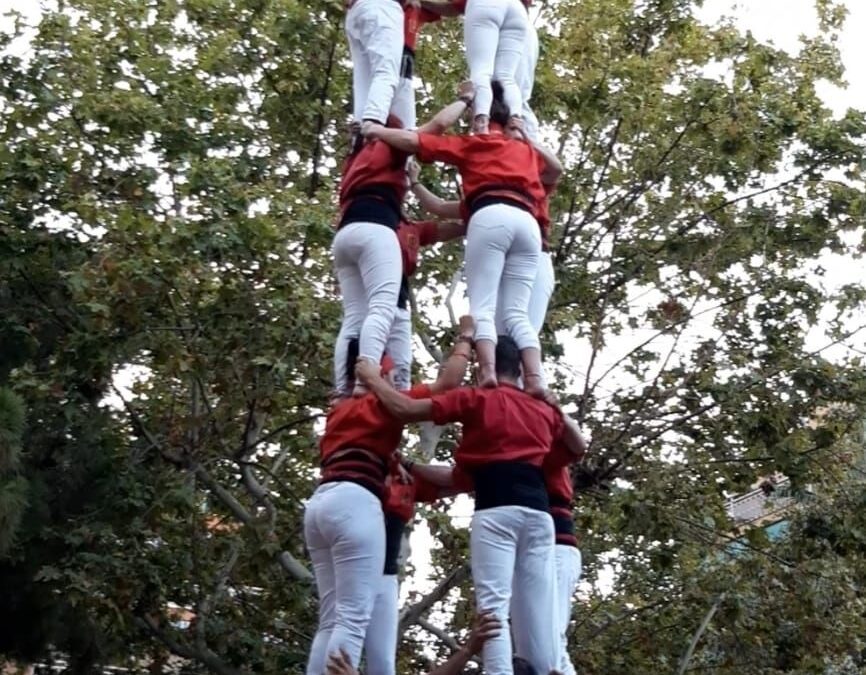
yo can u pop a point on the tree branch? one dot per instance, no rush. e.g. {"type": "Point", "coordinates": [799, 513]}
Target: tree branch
{"type": "Point", "coordinates": [203, 655]}
{"type": "Point", "coordinates": [410, 615]}
{"type": "Point", "coordinates": [697, 636]}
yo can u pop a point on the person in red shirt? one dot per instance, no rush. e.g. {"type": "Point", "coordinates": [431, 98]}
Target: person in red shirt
{"type": "Point", "coordinates": [413, 235]}
{"type": "Point", "coordinates": [366, 249]}
{"type": "Point", "coordinates": [344, 527]}
{"type": "Point", "coordinates": [560, 492]}
{"type": "Point", "coordinates": [402, 493]}
{"type": "Point", "coordinates": [506, 436]}
{"type": "Point", "coordinates": [502, 184]}
{"type": "Point", "coordinates": [545, 277]}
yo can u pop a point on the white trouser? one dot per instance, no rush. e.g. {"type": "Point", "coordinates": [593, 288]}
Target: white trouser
{"type": "Point", "coordinates": [513, 568]}
{"type": "Point", "coordinates": [399, 348]}
{"type": "Point", "coordinates": [403, 105]}
{"type": "Point", "coordinates": [542, 290]}
{"type": "Point", "coordinates": [369, 268]}
{"type": "Point", "coordinates": [495, 39]}
{"type": "Point", "coordinates": [526, 80]}
{"type": "Point", "coordinates": [503, 244]}
{"type": "Point", "coordinates": [568, 569]}
{"type": "Point", "coordinates": [344, 530]}
{"type": "Point", "coordinates": [380, 645]}
{"type": "Point", "coordinates": [375, 32]}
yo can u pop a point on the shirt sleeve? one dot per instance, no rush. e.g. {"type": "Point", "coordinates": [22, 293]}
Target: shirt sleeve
{"type": "Point", "coordinates": [426, 16]}
{"type": "Point", "coordinates": [434, 148]}
{"type": "Point", "coordinates": [460, 5]}
{"type": "Point", "coordinates": [454, 406]}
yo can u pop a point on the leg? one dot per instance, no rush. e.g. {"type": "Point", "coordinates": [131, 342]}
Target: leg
{"type": "Point", "coordinates": [360, 66]}
{"type": "Point", "coordinates": [568, 569]}
{"type": "Point", "coordinates": [493, 546]}
{"type": "Point", "coordinates": [526, 79]}
{"type": "Point", "coordinates": [356, 530]}
{"type": "Point", "coordinates": [542, 289]}
{"type": "Point", "coordinates": [403, 105]}
{"type": "Point", "coordinates": [481, 39]}
{"type": "Point", "coordinates": [380, 645]}
{"type": "Point", "coordinates": [354, 302]}
{"type": "Point", "coordinates": [487, 241]}
{"type": "Point", "coordinates": [382, 36]}
{"type": "Point", "coordinates": [518, 276]}
{"type": "Point", "coordinates": [381, 268]}
{"type": "Point", "coordinates": [399, 348]}
{"type": "Point", "coordinates": [323, 570]}
{"type": "Point", "coordinates": [536, 635]}
{"type": "Point", "coordinates": [510, 52]}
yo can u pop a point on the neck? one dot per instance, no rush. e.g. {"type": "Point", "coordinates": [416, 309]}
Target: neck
{"type": "Point", "coordinates": [513, 381]}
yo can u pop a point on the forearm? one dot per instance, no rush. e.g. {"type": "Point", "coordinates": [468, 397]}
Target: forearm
{"type": "Point", "coordinates": [454, 369]}
{"type": "Point", "coordinates": [406, 141]}
{"type": "Point", "coordinates": [446, 118]}
{"type": "Point", "coordinates": [572, 437]}
{"type": "Point", "coordinates": [440, 476]}
{"type": "Point", "coordinates": [397, 404]}
{"type": "Point", "coordinates": [434, 204]}
{"type": "Point", "coordinates": [552, 165]}
{"type": "Point", "coordinates": [452, 229]}
{"type": "Point", "coordinates": [439, 7]}
{"type": "Point", "coordinates": [455, 664]}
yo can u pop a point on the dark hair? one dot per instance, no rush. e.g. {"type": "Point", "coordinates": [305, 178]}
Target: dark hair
{"type": "Point", "coordinates": [507, 357]}
{"type": "Point", "coordinates": [351, 357]}
{"type": "Point", "coordinates": [522, 667]}
{"type": "Point", "coordinates": [499, 112]}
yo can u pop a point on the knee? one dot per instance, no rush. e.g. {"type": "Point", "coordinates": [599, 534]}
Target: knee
{"type": "Point", "coordinates": [384, 311]}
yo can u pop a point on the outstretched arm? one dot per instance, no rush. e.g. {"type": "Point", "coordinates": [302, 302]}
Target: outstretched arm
{"type": "Point", "coordinates": [407, 141]}
{"type": "Point", "coordinates": [552, 166]}
{"type": "Point", "coordinates": [430, 202]}
{"type": "Point", "coordinates": [572, 438]}
{"type": "Point", "coordinates": [451, 229]}
{"type": "Point", "coordinates": [448, 116]}
{"type": "Point", "coordinates": [440, 7]}
{"type": "Point", "coordinates": [454, 369]}
{"type": "Point", "coordinates": [486, 626]}
{"type": "Point", "coordinates": [440, 476]}
{"type": "Point", "coordinates": [399, 405]}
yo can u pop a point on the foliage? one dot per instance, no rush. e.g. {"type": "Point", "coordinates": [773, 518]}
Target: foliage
{"type": "Point", "coordinates": [168, 313]}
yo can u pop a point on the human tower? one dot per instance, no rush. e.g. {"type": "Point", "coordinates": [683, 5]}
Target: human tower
{"type": "Point", "coordinates": [516, 443]}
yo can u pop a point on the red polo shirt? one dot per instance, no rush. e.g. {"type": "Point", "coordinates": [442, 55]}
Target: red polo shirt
{"type": "Point", "coordinates": [413, 235]}
{"type": "Point", "coordinates": [500, 424]}
{"type": "Point", "coordinates": [364, 423]}
{"type": "Point", "coordinates": [376, 164]}
{"type": "Point", "coordinates": [413, 19]}
{"type": "Point", "coordinates": [487, 162]}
